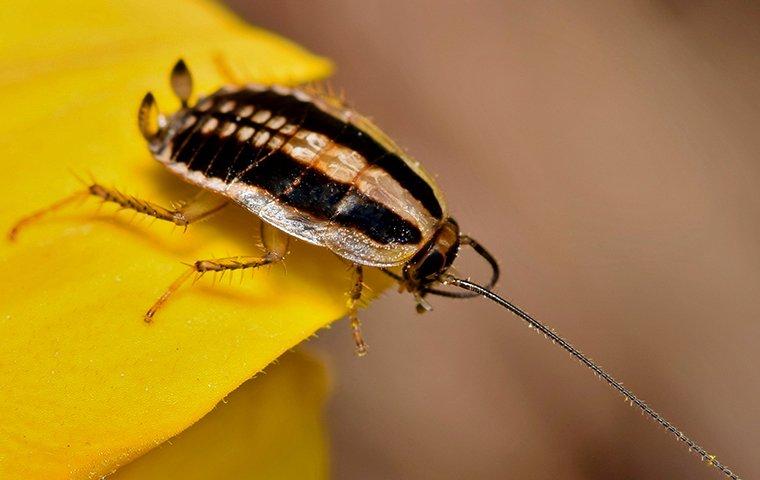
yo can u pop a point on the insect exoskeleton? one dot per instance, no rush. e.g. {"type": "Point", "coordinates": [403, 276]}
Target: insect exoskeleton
{"type": "Point", "coordinates": [314, 170]}
{"type": "Point", "coordinates": [310, 167]}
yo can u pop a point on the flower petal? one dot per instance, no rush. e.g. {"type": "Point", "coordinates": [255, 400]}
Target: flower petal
{"type": "Point", "coordinates": [271, 427]}
{"type": "Point", "coordinates": [87, 385]}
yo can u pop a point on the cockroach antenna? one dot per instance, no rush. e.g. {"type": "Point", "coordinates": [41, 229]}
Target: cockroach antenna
{"type": "Point", "coordinates": [474, 290]}
{"type": "Point", "coordinates": [549, 333]}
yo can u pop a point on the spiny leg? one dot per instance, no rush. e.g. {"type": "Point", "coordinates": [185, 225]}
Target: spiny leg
{"type": "Point", "coordinates": [183, 215]}
{"type": "Point", "coordinates": [33, 217]}
{"type": "Point", "coordinates": [199, 267]}
{"type": "Point", "coordinates": [275, 244]}
{"type": "Point", "coordinates": [354, 295]}
{"type": "Point", "coordinates": [202, 206]}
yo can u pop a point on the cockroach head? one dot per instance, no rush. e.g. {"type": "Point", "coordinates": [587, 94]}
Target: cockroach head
{"type": "Point", "coordinates": [434, 259]}
{"type": "Point", "coordinates": [430, 266]}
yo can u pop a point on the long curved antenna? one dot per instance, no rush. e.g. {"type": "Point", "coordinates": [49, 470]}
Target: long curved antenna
{"type": "Point", "coordinates": [555, 338]}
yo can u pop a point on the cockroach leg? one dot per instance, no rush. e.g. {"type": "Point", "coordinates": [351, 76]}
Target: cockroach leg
{"type": "Point", "coordinates": [31, 218]}
{"type": "Point", "coordinates": [422, 305]}
{"type": "Point", "coordinates": [354, 295]}
{"type": "Point", "coordinates": [202, 206]}
{"type": "Point", "coordinates": [275, 243]}
{"type": "Point", "coordinates": [199, 267]}
{"type": "Point", "coordinates": [274, 240]}
{"type": "Point", "coordinates": [183, 215]}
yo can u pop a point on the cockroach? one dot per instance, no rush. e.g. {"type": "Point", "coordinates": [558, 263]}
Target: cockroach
{"type": "Point", "coordinates": [312, 168]}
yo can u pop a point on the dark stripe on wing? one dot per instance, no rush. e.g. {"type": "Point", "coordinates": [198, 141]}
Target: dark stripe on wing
{"type": "Point", "coordinates": [376, 154]}
{"type": "Point", "coordinates": [311, 191]}
{"type": "Point", "coordinates": [207, 152]}
{"type": "Point", "coordinates": [245, 158]}
{"type": "Point", "coordinates": [186, 143]}
{"type": "Point", "coordinates": [310, 117]}
{"type": "Point", "coordinates": [190, 148]}
{"type": "Point", "coordinates": [274, 173]}
{"type": "Point", "coordinates": [228, 152]}
{"type": "Point", "coordinates": [376, 221]}
{"type": "Point", "coordinates": [316, 193]}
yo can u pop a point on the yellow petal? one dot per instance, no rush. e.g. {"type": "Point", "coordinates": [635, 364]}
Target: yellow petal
{"type": "Point", "coordinates": [86, 384]}
{"type": "Point", "coordinates": [269, 428]}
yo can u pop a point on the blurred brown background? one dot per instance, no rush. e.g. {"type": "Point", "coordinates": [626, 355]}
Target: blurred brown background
{"type": "Point", "coordinates": [608, 153]}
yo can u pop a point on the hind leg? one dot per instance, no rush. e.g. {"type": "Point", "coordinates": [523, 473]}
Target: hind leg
{"type": "Point", "coordinates": [276, 249]}
{"type": "Point", "coordinates": [183, 215]}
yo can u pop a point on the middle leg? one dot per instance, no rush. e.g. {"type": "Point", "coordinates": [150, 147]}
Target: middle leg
{"type": "Point", "coordinates": [354, 295]}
